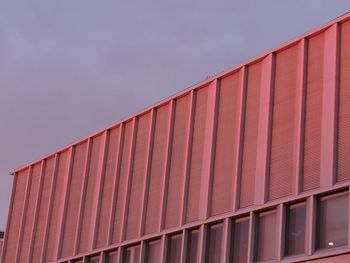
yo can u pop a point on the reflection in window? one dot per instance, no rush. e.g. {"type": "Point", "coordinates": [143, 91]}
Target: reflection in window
{"type": "Point", "coordinates": [332, 221]}
{"type": "Point", "coordinates": [214, 247]}
{"type": "Point", "coordinates": [154, 251]}
{"type": "Point", "coordinates": [94, 259]}
{"type": "Point", "coordinates": [112, 257]}
{"type": "Point", "coordinates": [295, 229]}
{"type": "Point", "coordinates": [192, 250]}
{"type": "Point", "coordinates": [174, 249]}
{"type": "Point", "coordinates": [266, 236]}
{"type": "Point", "coordinates": [132, 254]}
{"type": "Point", "coordinates": [240, 237]}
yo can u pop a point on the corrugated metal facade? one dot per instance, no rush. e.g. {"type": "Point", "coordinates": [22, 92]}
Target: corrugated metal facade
{"type": "Point", "coordinates": [168, 180]}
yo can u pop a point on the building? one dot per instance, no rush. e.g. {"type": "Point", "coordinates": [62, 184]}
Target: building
{"type": "Point", "coordinates": [250, 165]}
{"type": "Point", "coordinates": [2, 234]}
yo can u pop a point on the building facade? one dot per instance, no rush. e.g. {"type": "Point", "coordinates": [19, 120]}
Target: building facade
{"type": "Point", "coordinates": [2, 234]}
{"type": "Point", "coordinates": [251, 165]}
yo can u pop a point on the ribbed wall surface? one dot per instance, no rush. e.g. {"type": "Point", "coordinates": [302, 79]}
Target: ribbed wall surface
{"type": "Point", "coordinates": [107, 190]}
{"type": "Point", "coordinates": [226, 150]}
{"type": "Point", "coordinates": [268, 129]}
{"type": "Point", "coordinates": [50, 253]}
{"type": "Point", "coordinates": [39, 234]}
{"type": "Point", "coordinates": [344, 106]}
{"type": "Point", "coordinates": [314, 91]}
{"type": "Point", "coordinates": [10, 247]}
{"type": "Point", "coordinates": [29, 214]}
{"type": "Point", "coordinates": [285, 97]}
{"type": "Point", "coordinates": [122, 182]}
{"type": "Point", "coordinates": [177, 163]}
{"type": "Point", "coordinates": [157, 171]}
{"type": "Point", "coordinates": [196, 175]}
{"type": "Point", "coordinates": [86, 231]}
{"type": "Point", "coordinates": [250, 135]}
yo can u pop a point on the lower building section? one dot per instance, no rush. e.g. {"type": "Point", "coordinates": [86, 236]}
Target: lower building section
{"type": "Point", "coordinates": [313, 227]}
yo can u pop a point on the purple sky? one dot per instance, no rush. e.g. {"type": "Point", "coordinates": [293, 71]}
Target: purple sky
{"type": "Point", "coordinates": [70, 68]}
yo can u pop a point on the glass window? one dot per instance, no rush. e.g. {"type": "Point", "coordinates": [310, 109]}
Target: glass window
{"type": "Point", "coordinates": [240, 238]}
{"type": "Point", "coordinates": [95, 259]}
{"type": "Point", "coordinates": [112, 257]}
{"type": "Point", "coordinates": [266, 236]}
{"type": "Point", "coordinates": [295, 229]}
{"type": "Point", "coordinates": [214, 246]}
{"type": "Point", "coordinates": [192, 249]}
{"type": "Point", "coordinates": [174, 249]}
{"type": "Point", "coordinates": [132, 254]}
{"type": "Point", "coordinates": [332, 225]}
{"type": "Point", "coordinates": [154, 251]}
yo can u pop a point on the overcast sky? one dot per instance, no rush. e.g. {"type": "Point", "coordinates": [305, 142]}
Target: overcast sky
{"type": "Point", "coordinates": [70, 68]}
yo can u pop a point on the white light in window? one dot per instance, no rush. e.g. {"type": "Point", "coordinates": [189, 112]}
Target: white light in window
{"type": "Point", "coordinates": [331, 244]}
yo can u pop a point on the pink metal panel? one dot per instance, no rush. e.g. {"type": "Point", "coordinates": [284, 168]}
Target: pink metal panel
{"type": "Point", "coordinates": [53, 224]}
{"type": "Point", "coordinates": [24, 246]}
{"type": "Point", "coordinates": [343, 164]}
{"type": "Point", "coordinates": [166, 170]}
{"type": "Point", "coordinates": [329, 106]}
{"type": "Point", "coordinates": [122, 182]}
{"type": "Point", "coordinates": [74, 192]}
{"type": "Point", "coordinates": [313, 118]}
{"type": "Point", "coordinates": [98, 189]}
{"type": "Point", "coordinates": [247, 182]}
{"type": "Point", "coordinates": [12, 232]}
{"type": "Point", "coordinates": [36, 210]}
{"type": "Point", "coordinates": [137, 174]}
{"type": "Point", "coordinates": [147, 174]}
{"type": "Point", "coordinates": [158, 163]}
{"type": "Point", "coordinates": [207, 174]}
{"type": "Point", "coordinates": [298, 145]}
{"type": "Point", "coordinates": [264, 130]}
{"type": "Point", "coordinates": [283, 124]}
{"type": "Point", "coordinates": [92, 195]}
{"type": "Point", "coordinates": [178, 153]}
{"type": "Point", "coordinates": [107, 191]}
{"type": "Point", "coordinates": [226, 148]}
{"type": "Point", "coordinates": [42, 210]}
{"type": "Point", "coordinates": [196, 175]}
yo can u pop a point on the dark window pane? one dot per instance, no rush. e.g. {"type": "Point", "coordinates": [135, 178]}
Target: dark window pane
{"type": "Point", "coordinates": [333, 221]}
{"type": "Point", "coordinates": [132, 254]}
{"type": "Point", "coordinates": [266, 239]}
{"type": "Point", "coordinates": [154, 251]}
{"type": "Point", "coordinates": [192, 250]}
{"type": "Point", "coordinates": [174, 249]}
{"type": "Point", "coordinates": [112, 257]}
{"type": "Point", "coordinates": [94, 259]}
{"type": "Point", "coordinates": [240, 240]}
{"type": "Point", "coordinates": [295, 229]}
{"type": "Point", "coordinates": [214, 246]}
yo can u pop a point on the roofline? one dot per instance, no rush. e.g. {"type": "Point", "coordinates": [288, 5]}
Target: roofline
{"type": "Point", "coordinates": [343, 18]}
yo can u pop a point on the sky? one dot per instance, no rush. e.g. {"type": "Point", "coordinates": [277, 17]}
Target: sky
{"type": "Point", "coordinates": [71, 68]}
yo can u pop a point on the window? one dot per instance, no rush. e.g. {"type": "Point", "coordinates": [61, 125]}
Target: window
{"type": "Point", "coordinates": [154, 251]}
{"type": "Point", "coordinates": [192, 249]}
{"type": "Point", "coordinates": [214, 246]}
{"type": "Point", "coordinates": [295, 229]}
{"type": "Point", "coordinates": [332, 225]}
{"type": "Point", "coordinates": [132, 254]}
{"type": "Point", "coordinates": [174, 249]}
{"type": "Point", "coordinates": [240, 237]}
{"type": "Point", "coordinates": [112, 257]}
{"type": "Point", "coordinates": [266, 236]}
{"type": "Point", "coordinates": [95, 259]}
